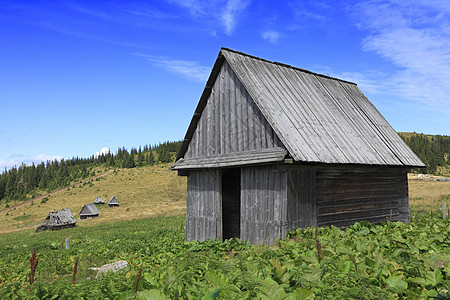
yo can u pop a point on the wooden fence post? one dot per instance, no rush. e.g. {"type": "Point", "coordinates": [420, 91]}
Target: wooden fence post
{"type": "Point", "coordinates": [444, 211]}
{"type": "Point", "coordinates": [67, 243]}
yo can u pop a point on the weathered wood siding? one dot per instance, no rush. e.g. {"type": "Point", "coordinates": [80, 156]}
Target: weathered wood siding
{"type": "Point", "coordinates": [230, 122]}
{"type": "Point", "coordinates": [203, 209]}
{"type": "Point", "coordinates": [301, 199]}
{"type": "Point", "coordinates": [263, 204]}
{"type": "Point", "coordinates": [348, 196]}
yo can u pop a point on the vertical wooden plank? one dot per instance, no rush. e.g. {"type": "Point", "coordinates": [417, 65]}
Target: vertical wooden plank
{"type": "Point", "coordinates": [233, 116]}
{"type": "Point", "coordinates": [254, 204]}
{"type": "Point", "coordinates": [264, 217]}
{"type": "Point", "coordinates": [204, 121]}
{"type": "Point", "coordinates": [244, 202]}
{"type": "Point", "coordinates": [209, 127]}
{"type": "Point", "coordinates": [218, 200]}
{"type": "Point", "coordinates": [245, 126]}
{"type": "Point", "coordinates": [313, 196]}
{"type": "Point", "coordinates": [227, 115]}
{"type": "Point", "coordinates": [283, 203]}
{"type": "Point", "coordinates": [238, 111]}
{"type": "Point", "coordinates": [256, 126]}
{"type": "Point", "coordinates": [217, 118]}
{"type": "Point", "coordinates": [213, 124]}
{"type": "Point", "coordinates": [277, 202]}
{"type": "Point", "coordinates": [222, 109]}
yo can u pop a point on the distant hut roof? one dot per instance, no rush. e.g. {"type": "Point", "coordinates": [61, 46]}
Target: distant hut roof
{"type": "Point", "coordinates": [58, 219]}
{"type": "Point", "coordinates": [89, 210]}
{"type": "Point", "coordinates": [99, 200]}
{"type": "Point", "coordinates": [113, 201]}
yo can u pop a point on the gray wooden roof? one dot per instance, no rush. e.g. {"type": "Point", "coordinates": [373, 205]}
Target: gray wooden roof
{"type": "Point", "coordinates": [99, 200]}
{"type": "Point", "coordinates": [319, 119]}
{"type": "Point", "coordinates": [113, 200]}
{"type": "Point", "coordinates": [89, 210]}
{"type": "Point", "coordinates": [59, 218]}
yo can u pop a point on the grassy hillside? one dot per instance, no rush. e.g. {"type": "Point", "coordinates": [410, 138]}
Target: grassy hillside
{"type": "Point", "coordinates": [141, 192]}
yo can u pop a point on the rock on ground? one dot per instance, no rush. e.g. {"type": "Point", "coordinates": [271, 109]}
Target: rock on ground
{"type": "Point", "coordinates": [115, 266]}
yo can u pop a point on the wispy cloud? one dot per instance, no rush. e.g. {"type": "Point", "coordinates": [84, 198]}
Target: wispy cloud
{"type": "Point", "coordinates": [195, 7]}
{"type": "Point", "coordinates": [309, 10]}
{"type": "Point", "coordinates": [232, 10]}
{"type": "Point", "coordinates": [416, 38]}
{"type": "Point", "coordinates": [271, 35]}
{"type": "Point", "coordinates": [191, 70]}
{"type": "Point", "coordinates": [226, 12]}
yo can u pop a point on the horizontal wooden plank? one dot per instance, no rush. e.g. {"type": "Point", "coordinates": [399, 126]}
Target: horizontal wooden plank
{"type": "Point", "coordinates": [353, 205]}
{"type": "Point", "coordinates": [232, 159]}
{"type": "Point", "coordinates": [350, 221]}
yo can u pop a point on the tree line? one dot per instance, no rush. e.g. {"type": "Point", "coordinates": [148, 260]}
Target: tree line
{"type": "Point", "coordinates": [18, 182]}
{"type": "Point", "coordinates": [433, 150]}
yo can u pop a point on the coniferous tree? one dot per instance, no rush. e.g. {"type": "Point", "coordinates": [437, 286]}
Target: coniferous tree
{"type": "Point", "coordinates": [150, 158]}
{"type": "Point", "coordinates": [140, 159]}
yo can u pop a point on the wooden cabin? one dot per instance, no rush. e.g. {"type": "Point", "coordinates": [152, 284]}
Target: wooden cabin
{"type": "Point", "coordinates": [57, 220]}
{"type": "Point", "coordinates": [89, 211]}
{"type": "Point", "coordinates": [272, 147]}
{"type": "Point", "coordinates": [113, 202]}
{"type": "Point", "coordinates": [99, 200]}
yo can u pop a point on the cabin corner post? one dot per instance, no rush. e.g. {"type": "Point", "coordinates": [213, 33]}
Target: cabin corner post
{"type": "Point", "coordinates": [404, 204]}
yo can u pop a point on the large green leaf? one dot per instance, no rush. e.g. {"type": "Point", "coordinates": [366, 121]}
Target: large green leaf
{"type": "Point", "coordinates": [271, 290]}
{"type": "Point", "coordinates": [397, 284]}
{"type": "Point", "coordinates": [151, 295]}
{"type": "Point", "coordinates": [301, 294]}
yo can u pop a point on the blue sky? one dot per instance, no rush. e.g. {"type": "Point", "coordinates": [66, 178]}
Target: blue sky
{"type": "Point", "coordinates": [80, 76]}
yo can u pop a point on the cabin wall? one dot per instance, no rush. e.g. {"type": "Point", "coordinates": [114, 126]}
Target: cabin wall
{"type": "Point", "coordinates": [348, 196]}
{"type": "Point", "coordinates": [231, 122]}
{"type": "Point", "coordinates": [203, 207]}
{"type": "Point", "coordinates": [301, 198]}
{"type": "Point", "coordinates": [263, 204]}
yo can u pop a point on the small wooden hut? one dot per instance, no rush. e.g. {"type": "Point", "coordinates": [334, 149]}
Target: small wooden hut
{"type": "Point", "coordinates": [89, 211]}
{"type": "Point", "coordinates": [99, 200]}
{"type": "Point", "coordinates": [113, 202]}
{"type": "Point", "coordinates": [58, 220]}
{"type": "Point", "coordinates": [272, 147]}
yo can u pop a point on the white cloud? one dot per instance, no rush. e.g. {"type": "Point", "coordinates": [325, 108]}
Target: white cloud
{"type": "Point", "coordinates": [416, 38]}
{"type": "Point", "coordinates": [226, 12]}
{"type": "Point", "coordinates": [195, 7]}
{"type": "Point", "coordinates": [8, 164]}
{"type": "Point", "coordinates": [232, 10]}
{"type": "Point", "coordinates": [189, 69]}
{"type": "Point", "coordinates": [4, 164]}
{"type": "Point", "coordinates": [104, 151]}
{"type": "Point", "coordinates": [271, 36]}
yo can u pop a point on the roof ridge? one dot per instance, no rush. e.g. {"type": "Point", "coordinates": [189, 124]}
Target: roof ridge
{"type": "Point", "coordinates": [285, 65]}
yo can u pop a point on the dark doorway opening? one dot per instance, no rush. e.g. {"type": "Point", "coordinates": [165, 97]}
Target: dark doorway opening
{"type": "Point", "coordinates": [231, 203]}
